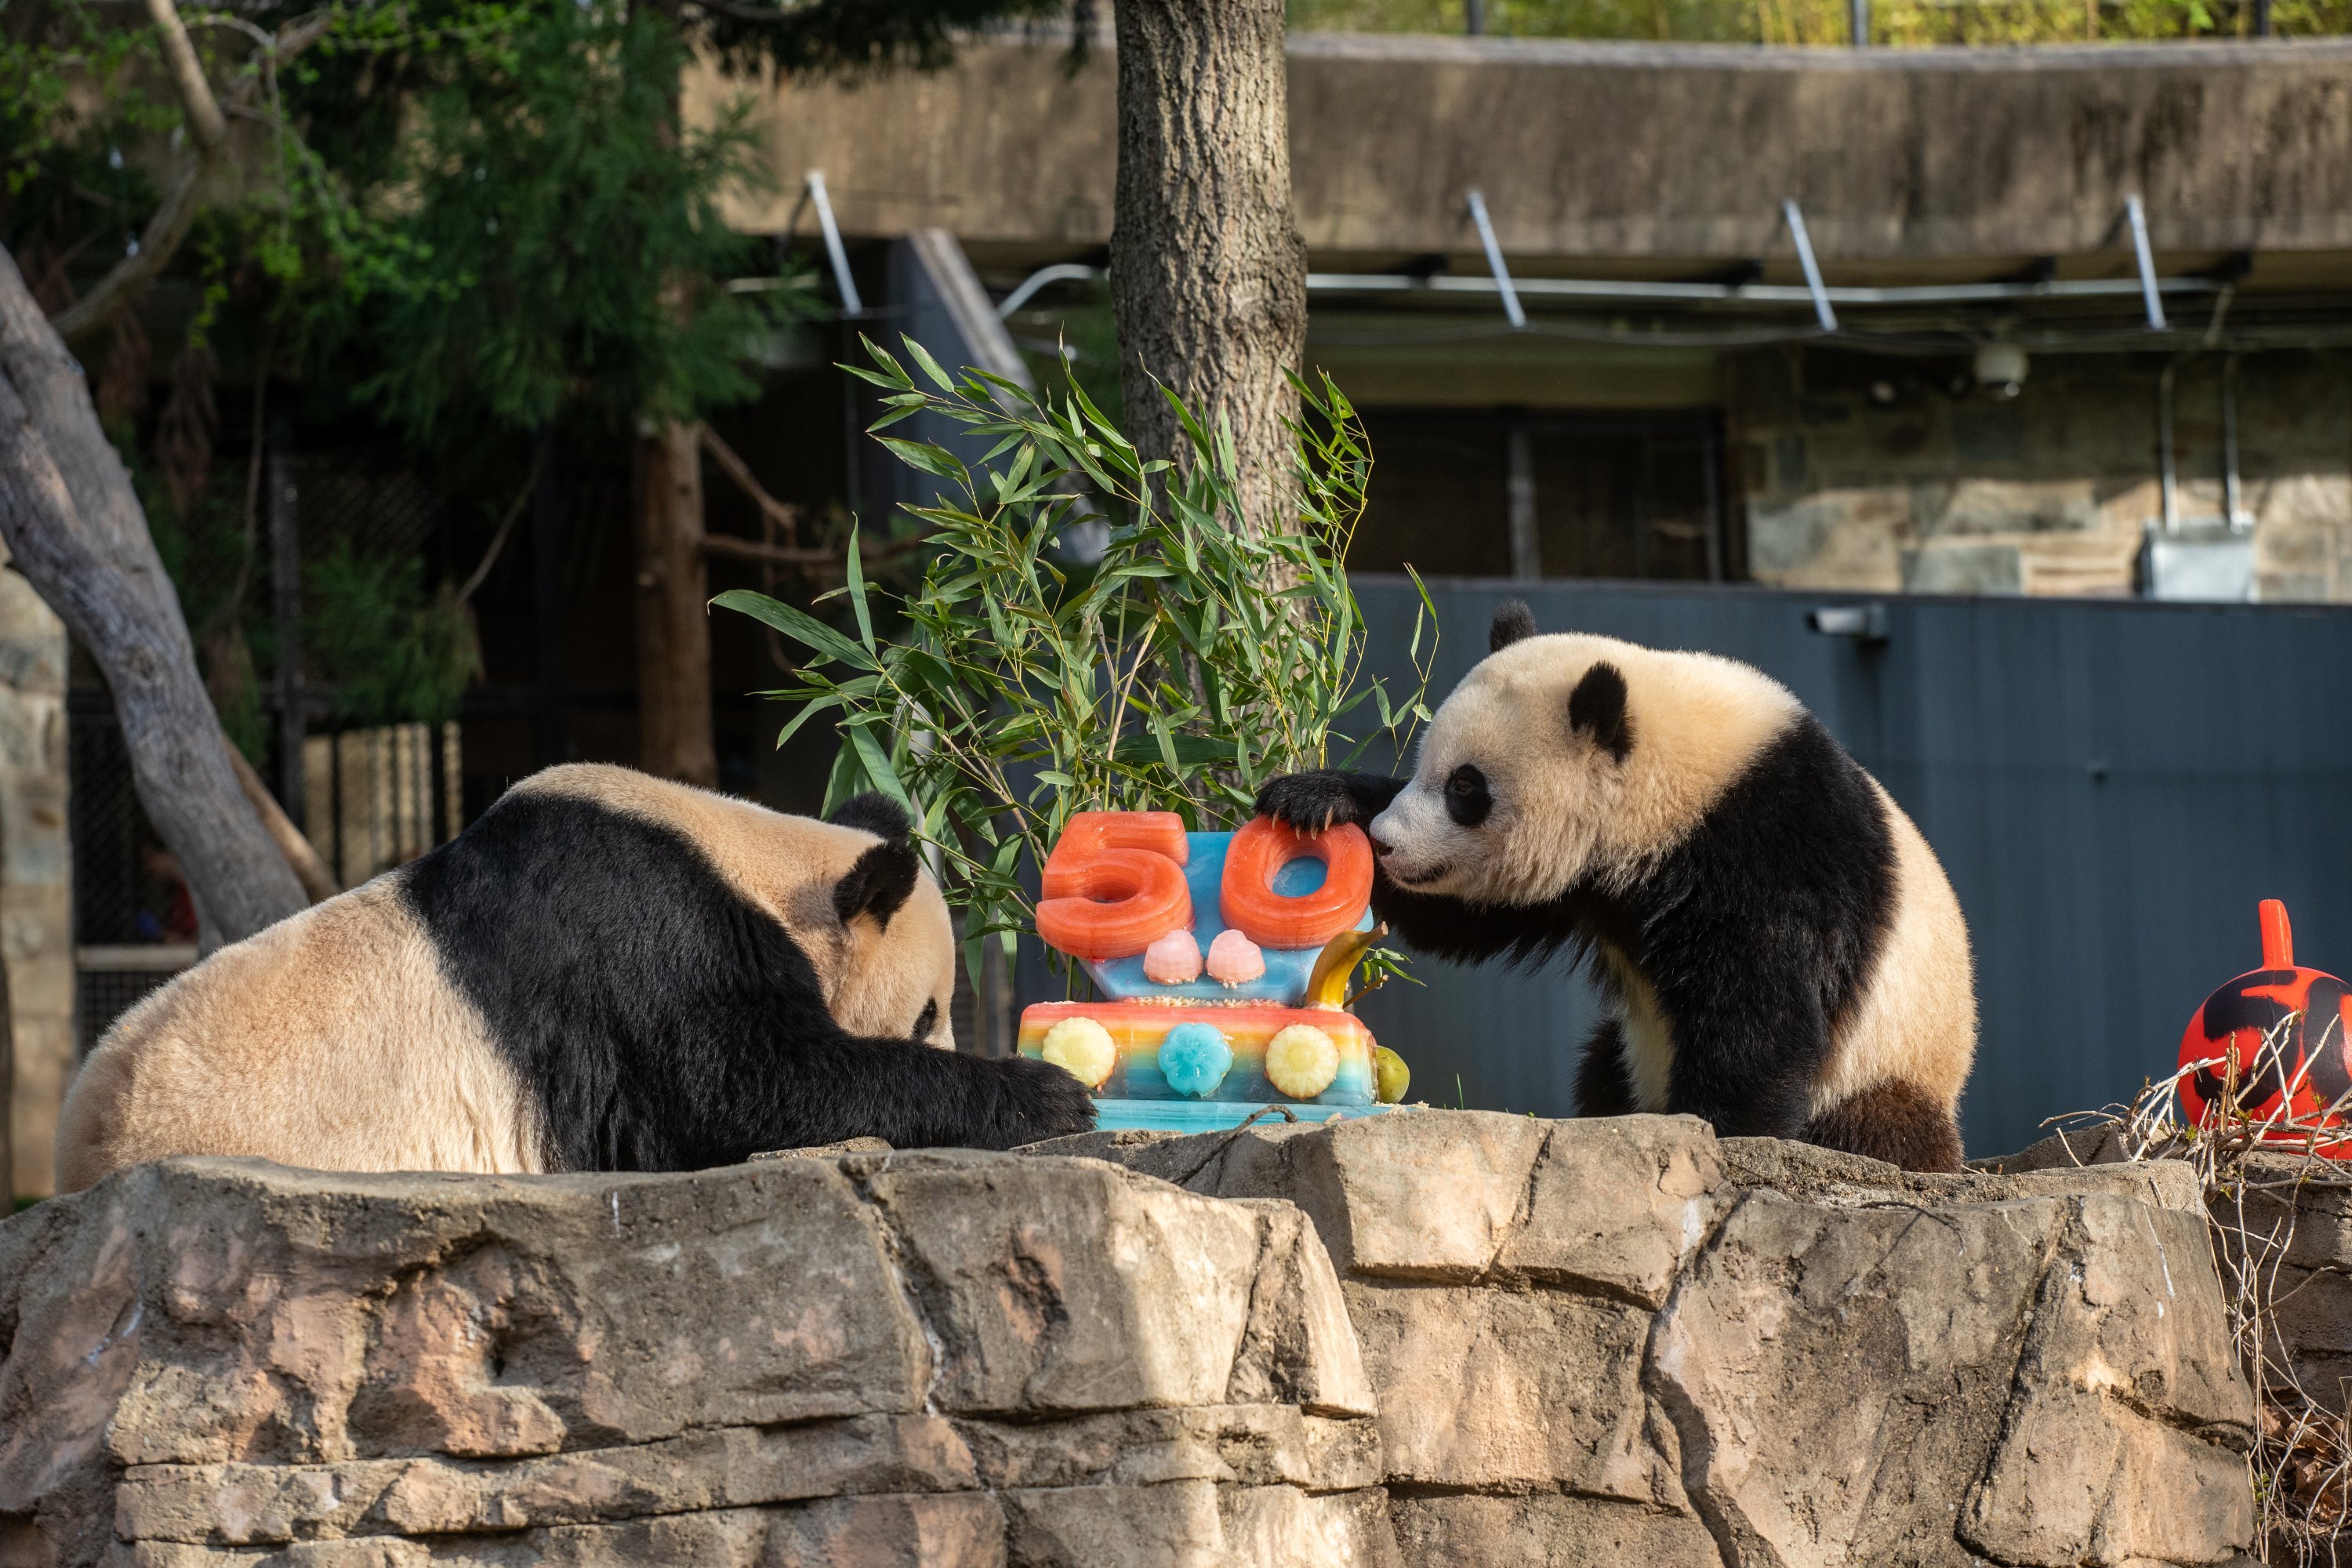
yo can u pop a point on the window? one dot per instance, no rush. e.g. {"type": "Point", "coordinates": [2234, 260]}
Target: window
{"type": "Point", "coordinates": [1504, 493]}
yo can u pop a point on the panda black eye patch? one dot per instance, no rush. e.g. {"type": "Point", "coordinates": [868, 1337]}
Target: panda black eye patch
{"type": "Point", "coordinates": [1467, 799]}
{"type": "Point", "coordinates": [930, 1015]}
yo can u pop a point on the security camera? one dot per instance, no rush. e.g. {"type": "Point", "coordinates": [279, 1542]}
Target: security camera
{"type": "Point", "coordinates": [2001, 369]}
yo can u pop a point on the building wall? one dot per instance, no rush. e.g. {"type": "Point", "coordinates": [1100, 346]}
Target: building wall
{"type": "Point", "coordinates": [1623, 151]}
{"type": "Point", "coordinates": [1877, 473]}
{"type": "Point", "coordinates": [35, 878]}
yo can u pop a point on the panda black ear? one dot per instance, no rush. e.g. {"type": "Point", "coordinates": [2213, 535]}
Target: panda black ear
{"type": "Point", "coordinates": [1512, 620]}
{"type": "Point", "coordinates": [1597, 706]}
{"type": "Point", "coordinates": [874, 813]}
{"type": "Point", "coordinates": [877, 884]}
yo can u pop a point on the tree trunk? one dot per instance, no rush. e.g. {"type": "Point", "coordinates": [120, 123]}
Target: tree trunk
{"type": "Point", "coordinates": [1208, 273]}
{"type": "Point", "coordinates": [76, 531]}
{"type": "Point", "coordinates": [672, 612]}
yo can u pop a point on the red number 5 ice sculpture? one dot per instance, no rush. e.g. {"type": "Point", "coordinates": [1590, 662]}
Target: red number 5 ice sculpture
{"type": "Point", "coordinates": [1114, 882]}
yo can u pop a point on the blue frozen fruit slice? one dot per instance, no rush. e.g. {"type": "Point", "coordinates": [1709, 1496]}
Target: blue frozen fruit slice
{"type": "Point", "coordinates": [1194, 1060]}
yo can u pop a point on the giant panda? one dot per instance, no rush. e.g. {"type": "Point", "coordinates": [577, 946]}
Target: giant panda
{"type": "Point", "coordinates": [605, 971]}
{"type": "Point", "coordinates": [1777, 948]}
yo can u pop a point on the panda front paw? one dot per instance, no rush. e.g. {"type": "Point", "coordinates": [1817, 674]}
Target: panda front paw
{"type": "Point", "coordinates": [1041, 1100]}
{"type": "Point", "coordinates": [1313, 802]}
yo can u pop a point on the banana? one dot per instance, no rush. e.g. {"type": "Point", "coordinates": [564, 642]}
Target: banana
{"type": "Point", "coordinates": [1327, 985]}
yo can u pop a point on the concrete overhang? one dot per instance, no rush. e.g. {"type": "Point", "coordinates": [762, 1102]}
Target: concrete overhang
{"type": "Point", "coordinates": [1639, 160]}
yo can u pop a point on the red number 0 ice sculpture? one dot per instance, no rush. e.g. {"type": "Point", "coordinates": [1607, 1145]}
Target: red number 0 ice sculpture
{"type": "Point", "coordinates": [1263, 847]}
{"type": "Point", "coordinates": [1113, 883]}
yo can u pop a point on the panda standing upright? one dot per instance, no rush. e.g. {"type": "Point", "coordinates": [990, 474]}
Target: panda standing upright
{"type": "Point", "coordinates": [1780, 953]}
{"type": "Point", "coordinates": [605, 971]}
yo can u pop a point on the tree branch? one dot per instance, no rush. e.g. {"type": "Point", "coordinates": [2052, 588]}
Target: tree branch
{"type": "Point", "coordinates": [208, 128]}
{"type": "Point", "coordinates": [204, 122]}
{"type": "Point", "coordinates": [785, 517]}
{"type": "Point", "coordinates": [74, 528]}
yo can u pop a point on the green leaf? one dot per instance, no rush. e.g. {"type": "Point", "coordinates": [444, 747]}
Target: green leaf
{"type": "Point", "coordinates": [855, 571]}
{"type": "Point", "coordinates": [929, 366]}
{"type": "Point", "coordinates": [926, 456]}
{"type": "Point", "coordinates": [876, 764]}
{"type": "Point", "coordinates": [796, 623]}
{"type": "Point", "coordinates": [807, 712]}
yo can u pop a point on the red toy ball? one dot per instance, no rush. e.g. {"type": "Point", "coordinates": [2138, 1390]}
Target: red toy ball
{"type": "Point", "coordinates": [2299, 1071]}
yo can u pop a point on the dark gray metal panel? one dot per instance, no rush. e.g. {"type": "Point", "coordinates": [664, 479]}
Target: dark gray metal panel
{"type": "Point", "coordinates": [2112, 786]}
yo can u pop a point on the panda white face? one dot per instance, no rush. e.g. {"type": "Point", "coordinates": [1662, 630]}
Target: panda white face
{"type": "Point", "coordinates": [1569, 759]}
{"type": "Point", "coordinates": [1516, 778]}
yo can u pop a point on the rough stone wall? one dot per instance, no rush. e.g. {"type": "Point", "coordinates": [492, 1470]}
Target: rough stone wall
{"type": "Point", "coordinates": [1881, 474]}
{"type": "Point", "coordinates": [1431, 1338]}
{"type": "Point", "coordinates": [1623, 1341]}
{"type": "Point", "coordinates": [2288, 1224]}
{"type": "Point", "coordinates": [36, 877]}
{"type": "Point", "coordinates": [875, 1359]}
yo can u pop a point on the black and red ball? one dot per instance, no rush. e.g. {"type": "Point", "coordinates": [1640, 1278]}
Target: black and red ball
{"type": "Point", "coordinates": [2287, 1033]}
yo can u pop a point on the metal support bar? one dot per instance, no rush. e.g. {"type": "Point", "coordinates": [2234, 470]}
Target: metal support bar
{"type": "Point", "coordinates": [1637, 290]}
{"type": "Point", "coordinates": [1511, 307]}
{"type": "Point", "coordinates": [2165, 469]}
{"type": "Point", "coordinates": [2137, 216]}
{"type": "Point", "coordinates": [1858, 21]}
{"type": "Point", "coordinates": [851, 305]}
{"type": "Point", "coordinates": [1044, 277]}
{"type": "Point", "coordinates": [1823, 311]}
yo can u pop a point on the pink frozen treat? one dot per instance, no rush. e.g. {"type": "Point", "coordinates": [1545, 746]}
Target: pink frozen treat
{"type": "Point", "coordinates": [1234, 960]}
{"type": "Point", "coordinates": [1173, 960]}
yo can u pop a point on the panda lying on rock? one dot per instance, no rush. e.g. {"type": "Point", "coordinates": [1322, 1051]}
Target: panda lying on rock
{"type": "Point", "coordinates": [1779, 951]}
{"type": "Point", "coordinates": [607, 971]}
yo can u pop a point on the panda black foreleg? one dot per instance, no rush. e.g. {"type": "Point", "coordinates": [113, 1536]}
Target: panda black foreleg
{"type": "Point", "coordinates": [914, 1095]}
{"type": "Point", "coordinates": [1311, 802]}
{"type": "Point", "coordinates": [1747, 1065]}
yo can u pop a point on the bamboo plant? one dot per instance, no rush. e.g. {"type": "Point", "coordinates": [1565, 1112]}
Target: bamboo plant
{"type": "Point", "coordinates": [1198, 657]}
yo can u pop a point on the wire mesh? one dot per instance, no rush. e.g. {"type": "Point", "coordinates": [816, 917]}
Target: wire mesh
{"type": "Point", "coordinates": [102, 996]}
{"type": "Point", "coordinates": [124, 888]}
{"type": "Point", "coordinates": [348, 496]}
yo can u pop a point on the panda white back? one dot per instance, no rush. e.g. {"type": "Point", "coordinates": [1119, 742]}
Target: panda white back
{"type": "Point", "coordinates": [607, 971]}
{"type": "Point", "coordinates": [303, 1044]}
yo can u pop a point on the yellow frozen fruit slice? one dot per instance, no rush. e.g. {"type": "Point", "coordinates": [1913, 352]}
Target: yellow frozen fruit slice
{"type": "Point", "coordinates": [1302, 1060]}
{"type": "Point", "coordinates": [1083, 1048]}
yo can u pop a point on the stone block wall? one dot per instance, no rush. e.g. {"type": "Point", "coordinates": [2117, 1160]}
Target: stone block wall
{"type": "Point", "coordinates": [1430, 1338]}
{"type": "Point", "coordinates": [1624, 1341]}
{"type": "Point", "coordinates": [35, 878]}
{"type": "Point", "coordinates": [896, 1359]}
{"type": "Point", "coordinates": [2299, 1212]}
{"type": "Point", "coordinates": [1886, 474]}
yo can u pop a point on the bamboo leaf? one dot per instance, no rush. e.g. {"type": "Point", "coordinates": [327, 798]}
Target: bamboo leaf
{"type": "Point", "coordinates": [927, 364]}
{"type": "Point", "coordinates": [855, 572]}
{"type": "Point", "coordinates": [807, 712]}
{"type": "Point", "coordinates": [876, 764]}
{"type": "Point", "coordinates": [929, 458]}
{"type": "Point", "coordinates": [798, 624]}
